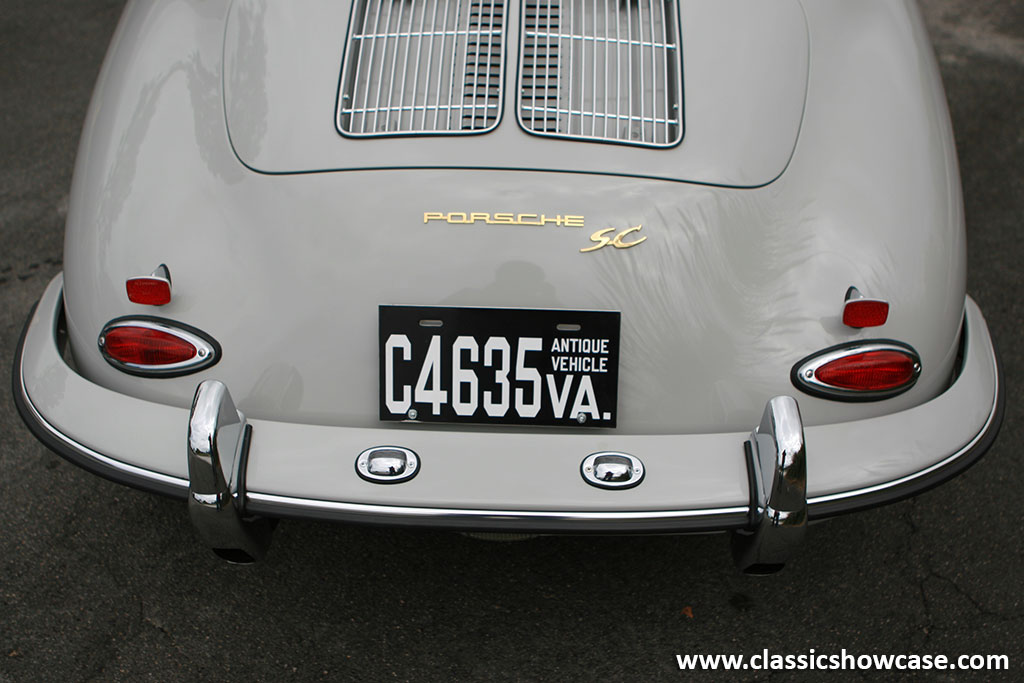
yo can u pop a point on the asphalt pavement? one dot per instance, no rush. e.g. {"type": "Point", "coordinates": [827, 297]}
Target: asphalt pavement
{"type": "Point", "coordinates": [102, 582]}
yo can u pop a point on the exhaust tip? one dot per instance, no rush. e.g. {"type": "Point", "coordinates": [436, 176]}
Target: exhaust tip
{"type": "Point", "coordinates": [763, 569]}
{"type": "Point", "coordinates": [234, 556]}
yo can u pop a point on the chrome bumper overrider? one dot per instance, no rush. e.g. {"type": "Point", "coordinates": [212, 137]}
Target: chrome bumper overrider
{"type": "Point", "coordinates": [218, 450]}
{"type": "Point", "coordinates": [764, 486]}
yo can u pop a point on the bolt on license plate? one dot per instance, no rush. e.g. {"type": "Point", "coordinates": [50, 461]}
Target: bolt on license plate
{"type": "Point", "coordinates": [499, 365]}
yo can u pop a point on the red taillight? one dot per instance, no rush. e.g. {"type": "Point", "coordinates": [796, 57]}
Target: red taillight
{"type": "Point", "coordinates": [156, 347]}
{"type": "Point", "coordinates": [146, 346]}
{"type": "Point", "coordinates": [859, 371]}
{"type": "Point", "coordinates": [865, 312]}
{"type": "Point", "coordinates": [870, 371]}
{"type": "Point", "coordinates": [148, 290]}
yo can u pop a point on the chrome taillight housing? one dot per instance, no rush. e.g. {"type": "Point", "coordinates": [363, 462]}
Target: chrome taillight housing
{"type": "Point", "coordinates": [858, 371]}
{"type": "Point", "coordinates": [156, 347]}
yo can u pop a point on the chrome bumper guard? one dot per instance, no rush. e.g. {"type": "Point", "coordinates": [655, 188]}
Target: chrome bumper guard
{"type": "Point", "coordinates": [777, 467]}
{"type": "Point", "coordinates": [218, 450]}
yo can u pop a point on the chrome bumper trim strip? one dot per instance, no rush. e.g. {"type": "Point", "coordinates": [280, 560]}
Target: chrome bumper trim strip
{"type": "Point", "coordinates": [534, 520]}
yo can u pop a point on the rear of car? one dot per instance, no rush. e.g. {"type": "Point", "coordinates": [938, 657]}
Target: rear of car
{"type": "Point", "coordinates": [516, 266]}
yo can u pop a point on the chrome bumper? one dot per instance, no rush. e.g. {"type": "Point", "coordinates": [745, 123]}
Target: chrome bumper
{"type": "Point", "coordinates": [307, 471]}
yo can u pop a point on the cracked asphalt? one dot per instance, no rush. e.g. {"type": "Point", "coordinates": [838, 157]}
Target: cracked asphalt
{"type": "Point", "coordinates": [101, 582]}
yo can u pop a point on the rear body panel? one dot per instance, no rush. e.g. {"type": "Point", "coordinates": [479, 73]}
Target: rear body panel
{"type": "Point", "coordinates": [729, 289]}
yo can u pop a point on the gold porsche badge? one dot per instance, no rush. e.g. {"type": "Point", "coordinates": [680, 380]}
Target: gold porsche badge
{"type": "Point", "coordinates": [469, 218]}
{"type": "Point", "coordinates": [600, 239]}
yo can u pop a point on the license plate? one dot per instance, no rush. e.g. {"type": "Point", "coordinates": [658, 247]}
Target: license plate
{"type": "Point", "coordinates": [499, 365]}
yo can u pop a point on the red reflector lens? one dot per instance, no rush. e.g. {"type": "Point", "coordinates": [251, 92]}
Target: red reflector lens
{"type": "Point", "coordinates": [145, 346]}
{"type": "Point", "coordinates": [151, 291]}
{"type": "Point", "coordinates": [865, 313]}
{"type": "Point", "coordinates": [868, 371]}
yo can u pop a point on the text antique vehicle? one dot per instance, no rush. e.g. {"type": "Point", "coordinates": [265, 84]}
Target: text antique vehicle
{"type": "Point", "coordinates": [531, 266]}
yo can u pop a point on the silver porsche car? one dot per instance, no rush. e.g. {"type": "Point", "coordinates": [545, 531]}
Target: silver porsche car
{"type": "Point", "coordinates": [516, 267]}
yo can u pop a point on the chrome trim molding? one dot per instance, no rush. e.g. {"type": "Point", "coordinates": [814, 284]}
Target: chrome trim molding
{"type": "Point", "coordinates": [162, 272]}
{"type": "Point", "coordinates": [803, 375]}
{"type": "Point", "coordinates": [537, 520]}
{"type": "Point", "coordinates": [777, 462]}
{"type": "Point", "coordinates": [115, 470]}
{"type": "Point", "coordinates": [207, 349]}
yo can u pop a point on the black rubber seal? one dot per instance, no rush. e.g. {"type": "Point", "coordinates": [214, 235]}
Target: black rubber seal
{"type": "Point", "coordinates": [748, 452]}
{"type": "Point", "coordinates": [243, 467]}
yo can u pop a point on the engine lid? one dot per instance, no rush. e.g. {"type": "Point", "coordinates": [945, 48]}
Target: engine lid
{"type": "Point", "coordinates": [744, 77]}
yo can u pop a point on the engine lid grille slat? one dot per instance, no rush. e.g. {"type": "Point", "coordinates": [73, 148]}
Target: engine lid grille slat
{"type": "Point", "coordinates": [603, 70]}
{"type": "Point", "coordinates": [422, 67]}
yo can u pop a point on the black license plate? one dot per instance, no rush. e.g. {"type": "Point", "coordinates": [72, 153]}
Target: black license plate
{"type": "Point", "coordinates": [499, 365]}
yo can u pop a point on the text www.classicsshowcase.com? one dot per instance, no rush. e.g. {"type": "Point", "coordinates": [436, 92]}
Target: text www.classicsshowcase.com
{"type": "Point", "coordinates": [843, 661]}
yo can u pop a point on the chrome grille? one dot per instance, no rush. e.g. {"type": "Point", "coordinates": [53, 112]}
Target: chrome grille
{"type": "Point", "coordinates": [605, 70]}
{"type": "Point", "coordinates": [422, 67]}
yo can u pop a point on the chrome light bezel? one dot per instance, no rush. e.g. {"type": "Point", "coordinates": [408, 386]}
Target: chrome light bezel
{"type": "Point", "coordinates": [208, 351]}
{"type": "Point", "coordinates": [411, 467]}
{"type": "Point", "coordinates": [804, 372]}
{"type": "Point", "coordinates": [589, 466]}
